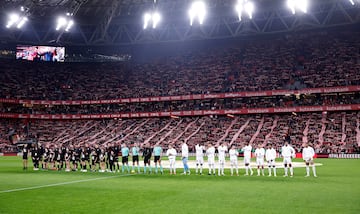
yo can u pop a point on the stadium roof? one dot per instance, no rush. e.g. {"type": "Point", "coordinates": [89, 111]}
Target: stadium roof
{"type": "Point", "coordinates": [119, 22]}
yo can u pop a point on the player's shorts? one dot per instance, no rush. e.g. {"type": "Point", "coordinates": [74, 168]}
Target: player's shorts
{"type": "Point", "coordinates": [287, 160]}
{"type": "Point", "coordinates": [308, 160]}
{"type": "Point", "coordinates": [147, 160]}
{"type": "Point", "coordinates": [211, 161]}
{"type": "Point", "coordinates": [25, 157]}
{"type": "Point", "coordinates": [135, 158]}
{"type": "Point", "coordinates": [157, 159]}
{"type": "Point", "coordinates": [271, 162]}
{"type": "Point", "coordinates": [233, 162]}
{"type": "Point", "coordinates": [260, 162]}
{"type": "Point", "coordinates": [200, 160]}
{"type": "Point", "coordinates": [247, 160]}
{"type": "Point", "coordinates": [125, 159]}
{"type": "Point", "coordinates": [116, 159]}
{"type": "Point", "coordinates": [222, 160]}
{"type": "Point", "coordinates": [172, 161]}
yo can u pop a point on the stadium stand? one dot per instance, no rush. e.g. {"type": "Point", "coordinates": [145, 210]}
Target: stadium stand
{"type": "Point", "coordinates": [291, 62]}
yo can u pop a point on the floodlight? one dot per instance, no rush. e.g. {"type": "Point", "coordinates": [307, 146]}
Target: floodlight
{"type": "Point", "coordinates": [69, 25]}
{"type": "Point", "coordinates": [352, 2]}
{"type": "Point", "coordinates": [154, 18]}
{"type": "Point", "coordinates": [13, 19]}
{"type": "Point", "coordinates": [301, 5]}
{"type": "Point", "coordinates": [244, 5]}
{"type": "Point", "coordinates": [147, 18]}
{"type": "Point", "coordinates": [64, 22]}
{"type": "Point", "coordinates": [197, 10]}
{"type": "Point", "coordinates": [239, 9]}
{"type": "Point", "coordinates": [291, 5]}
{"type": "Point", "coordinates": [249, 8]}
{"type": "Point", "coordinates": [22, 22]}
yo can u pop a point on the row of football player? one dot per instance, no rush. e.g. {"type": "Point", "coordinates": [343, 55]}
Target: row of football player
{"type": "Point", "coordinates": [109, 160]}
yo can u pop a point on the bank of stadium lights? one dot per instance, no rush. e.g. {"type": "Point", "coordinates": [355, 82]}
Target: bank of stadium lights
{"type": "Point", "coordinates": [17, 19]}
{"type": "Point", "coordinates": [65, 22]}
{"type": "Point", "coordinates": [197, 11]}
{"type": "Point", "coordinates": [244, 6]}
{"type": "Point", "coordinates": [298, 5]}
{"type": "Point", "coordinates": [151, 18]}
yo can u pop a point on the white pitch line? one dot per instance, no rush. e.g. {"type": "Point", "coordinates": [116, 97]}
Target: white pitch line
{"type": "Point", "coordinates": [59, 184]}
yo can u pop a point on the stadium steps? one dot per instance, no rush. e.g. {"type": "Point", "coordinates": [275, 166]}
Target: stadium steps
{"type": "Point", "coordinates": [237, 134]}
{"type": "Point", "coordinates": [183, 132]}
{"type": "Point", "coordinates": [323, 129]}
{"type": "Point", "coordinates": [358, 131]}
{"type": "Point", "coordinates": [195, 132]}
{"type": "Point", "coordinates": [269, 134]}
{"type": "Point", "coordinates": [306, 132]}
{"type": "Point", "coordinates": [170, 132]}
{"type": "Point", "coordinates": [158, 132]}
{"type": "Point", "coordinates": [226, 132]}
{"type": "Point", "coordinates": [258, 130]}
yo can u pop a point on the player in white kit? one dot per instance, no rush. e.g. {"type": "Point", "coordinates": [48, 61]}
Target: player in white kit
{"type": "Point", "coordinates": [233, 153]}
{"type": "Point", "coordinates": [171, 153]}
{"type": "Point", "coordinates": [210, 153]}
{"type": "Point", "coordinates": [270, 156]}
{"type": "Point", "coordinates": [222, 149]}
{"type": "Point", "coordinates": [308, 154]}
{"type": "Point", "coordinates": [247, 157]}
{"type": "Point", "coordinates": [199, 149]}
{"type": "Point", "coordinates": [260, 154]}
{"type": "Point", "coordinates": [288, 152]}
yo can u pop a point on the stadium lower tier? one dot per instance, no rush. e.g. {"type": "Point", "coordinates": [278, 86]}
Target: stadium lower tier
{"type": "Point", "coordinates": [330, 132]}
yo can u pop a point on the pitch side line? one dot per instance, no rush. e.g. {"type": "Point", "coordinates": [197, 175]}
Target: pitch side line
{"type": "Point", "coordinates": [63, 183]}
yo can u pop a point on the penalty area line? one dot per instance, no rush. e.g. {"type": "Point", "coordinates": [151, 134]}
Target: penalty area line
{"type": "Point", "coordinates": [62, 183]}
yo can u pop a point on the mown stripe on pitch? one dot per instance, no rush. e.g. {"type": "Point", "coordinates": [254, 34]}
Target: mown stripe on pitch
{"type": "Point", "coordinates": [62, 183]}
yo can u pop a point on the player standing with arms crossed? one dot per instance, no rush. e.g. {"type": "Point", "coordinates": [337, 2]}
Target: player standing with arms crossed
{"type": "Point", "coordinates": [308, 154]}
{"type": "Point", "coordinates": [288, 152]}
{"type": "Point", "coordinates": [210, 153]}
{"type": "Point", "coordinates": [270, 156]}
{"type": "Point", "coordinates": [199, 149]}
{"type": "Point", "coordinates": [247, 158]}
{"type": "Point", "coordinates": [184, 157]}
{"type": "Point", "coordinates": [135, 157]}
{"type": "Point", "coordinates": [147, 156]}
{"type": "Point", "coordinates": [234, 160]}
{"type": "Point", "coordinates": [259, 154]}
{"type": "Point", "coordinates": [157, 158]}
{"type": "Point", "coordinates": [25, 152]}
{"type": "Point", "coordinates": [125, 158]}
{"type": "Point", "coordinates": [221, 154]}
{"type": "Point", "coordinates": [171, 153]}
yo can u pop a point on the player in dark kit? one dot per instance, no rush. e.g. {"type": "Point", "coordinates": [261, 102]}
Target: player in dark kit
{"type": "Point", "coordinates": [87, 154]}
{"type": "Point", "coordinates": [25, 152]}
{"type": "Point", "coordinates": [147, 151]}
{"type": "Point", "coordinates": [111, 161]}
{"type": "Point", "coordinates": [41, 156]}
{"type": "Point", "coordinates": [35, 157]}
{"type": "Point", "coordinates": [57, 157]}
{"type": "Point", "coordinates": [83, 159]}
{"type": "Point", "coordinates": [62, 156]}
{"type": "Point", "coordinates": [116, 150]}
{"type": "Point", "coordinates": [67, 157]}
{"type": "Point", "coordinates": [46, 157]}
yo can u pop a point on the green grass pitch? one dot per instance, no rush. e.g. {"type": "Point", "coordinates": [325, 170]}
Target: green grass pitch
{"type": "Point", "coordinates": [336, 190]}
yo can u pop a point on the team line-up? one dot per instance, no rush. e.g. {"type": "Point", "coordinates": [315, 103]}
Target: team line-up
{"type": "Point", "coordinates": [106, 159]}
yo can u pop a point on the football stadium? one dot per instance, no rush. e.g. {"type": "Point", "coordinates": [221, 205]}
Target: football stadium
{"type": "Point", "coordinates": [179, 106]}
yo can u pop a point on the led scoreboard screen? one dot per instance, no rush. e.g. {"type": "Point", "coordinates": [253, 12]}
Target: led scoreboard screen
{"type": "Point", "coordinates": [40, 53]}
